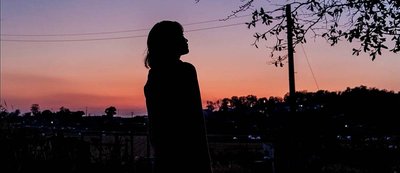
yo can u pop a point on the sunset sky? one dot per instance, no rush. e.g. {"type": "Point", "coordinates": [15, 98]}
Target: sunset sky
{"type": "Point", "coordinates": [95, 65]}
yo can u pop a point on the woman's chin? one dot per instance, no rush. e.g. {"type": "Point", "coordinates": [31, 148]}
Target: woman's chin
{"type": "Point", "coordinates": [185, 52]}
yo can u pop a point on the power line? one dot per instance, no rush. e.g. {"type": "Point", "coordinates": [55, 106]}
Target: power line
{"type": "Point", "coordinates": [73, 40]}
{"type": "Point", "coordinates": [75, 34]}
{"type": "Point", "coordinates": [216, 20]}
{"type": "Point", "coordinates": [215, 27]}
{"type": "Point", "coordinates": [309, 66]}
{"type": "Point", "coordinates": [112, 32]}
{"type": "Point", "coordinates": [110, 38]}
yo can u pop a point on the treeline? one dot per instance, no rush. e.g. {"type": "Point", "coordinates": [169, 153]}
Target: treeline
{"type": "Point", "coordinates": [363, 107]}
{"type": "Point", "coordinates": [359, 98]}
{"type": "Point", "coordinates": [65, 119]}
{"type": "Point", "coordinates": [370, 109]}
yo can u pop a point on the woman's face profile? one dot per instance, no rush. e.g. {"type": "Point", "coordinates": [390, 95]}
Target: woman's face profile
{"type": "Point", "coordinates": [167, 39]}
{"type": "Point", "coordinates": [182, 45]}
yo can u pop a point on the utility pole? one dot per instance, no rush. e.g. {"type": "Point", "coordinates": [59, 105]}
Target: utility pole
{"type": "Point", "coordinates": [286, 144]}
{"type": "Point", "coordinates": [292, 90]}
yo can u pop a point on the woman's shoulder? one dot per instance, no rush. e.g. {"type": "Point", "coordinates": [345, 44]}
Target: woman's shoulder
{"type": "Point", "coordinates": [180, 67]}
{"type": "Point", "coordinates": [188, 66]}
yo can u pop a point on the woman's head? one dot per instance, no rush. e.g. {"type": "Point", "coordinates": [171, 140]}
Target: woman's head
{"type": "Point", "coordinates": [165, 43]}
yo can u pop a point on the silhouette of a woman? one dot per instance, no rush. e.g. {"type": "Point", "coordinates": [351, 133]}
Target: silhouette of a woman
{"type": "Point", "coordinates": [173, 101]}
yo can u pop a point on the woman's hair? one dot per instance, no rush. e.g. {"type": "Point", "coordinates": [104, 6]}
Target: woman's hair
{"type": "Point", "coordinates": [160, 42]}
